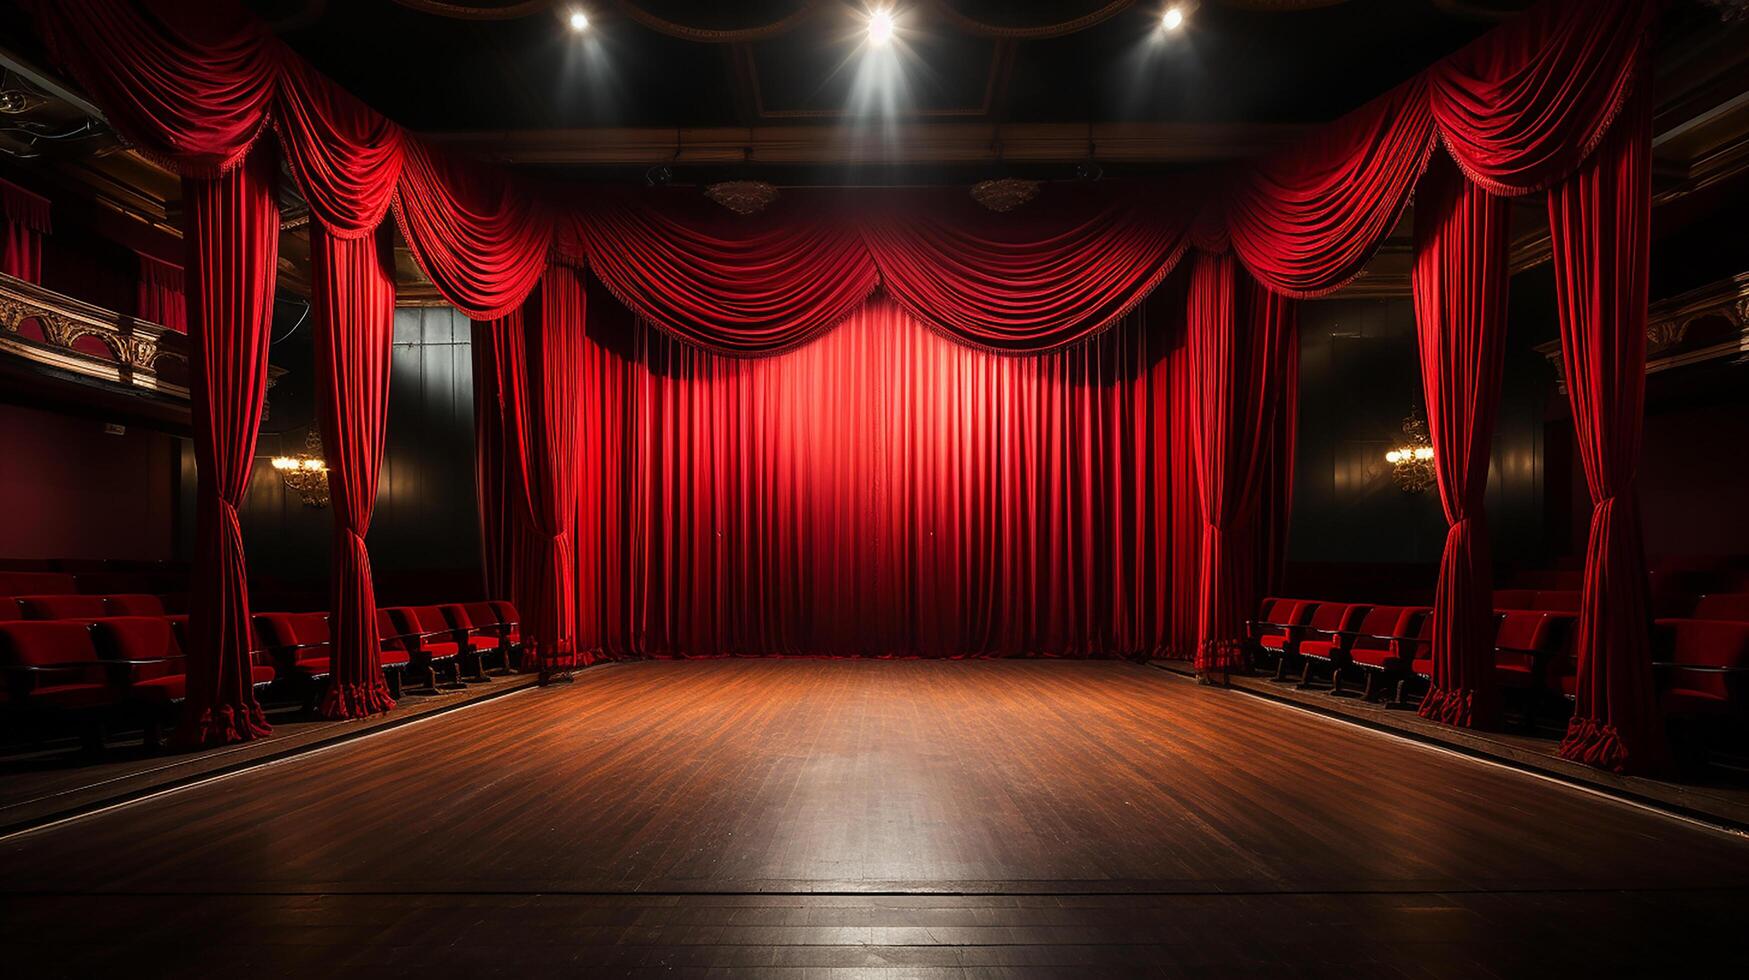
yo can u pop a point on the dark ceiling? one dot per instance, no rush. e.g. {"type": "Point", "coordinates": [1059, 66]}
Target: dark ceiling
{"type": "Point", "coordinates": [1235, 61]}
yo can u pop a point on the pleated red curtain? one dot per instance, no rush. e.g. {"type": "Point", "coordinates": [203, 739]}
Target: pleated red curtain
{"type": "Point", "coordinates": [24, 220]}
{"type": "Point", "coordinates": [540, 381]}
{"type": "Point", "coordinates": [161, 295]}
{"type": "Point", "coordinates": [353, 299]}
{"type": "Point", "coordinates": [233, 246]}
{"type": "Point", "coordinates": [881, 491]}
{"type": "Point", "coordinates": [1241, 341]}
{"type": "Point", "coordinates": [494, 490]}
{"type": "Point", "coordinates": [1599, 227]}
{"type": "Point", "coordinates": [1459, 281]}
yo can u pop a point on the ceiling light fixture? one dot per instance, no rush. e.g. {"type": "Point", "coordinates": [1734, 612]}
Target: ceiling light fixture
{"type": "Point", "coordinates": [579, 21]}
{"type": "Point", "coordinates": [1173, 18]}
{"type": "Point", "coordinates": [880, 26]}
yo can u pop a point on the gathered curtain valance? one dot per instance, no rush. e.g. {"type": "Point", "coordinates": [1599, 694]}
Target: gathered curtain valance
{"type": "Point", "coordinates": [195, 84]}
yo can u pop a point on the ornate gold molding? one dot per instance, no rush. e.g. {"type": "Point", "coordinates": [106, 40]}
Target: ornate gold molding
{"type": "Point", "coordinates": [1706, 324]}
{"type": "Point", "coordinates": [138, 349]}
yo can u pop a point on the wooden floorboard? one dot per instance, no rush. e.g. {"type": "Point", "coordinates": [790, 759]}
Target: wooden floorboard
{"type": "Point", "coordinates": [904, 817]}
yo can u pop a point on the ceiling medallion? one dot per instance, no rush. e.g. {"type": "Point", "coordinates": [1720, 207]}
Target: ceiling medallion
{"type": "Point", "coordinates": [1004, 194]}
{"type": "Point", "coordinates": [743, 197]}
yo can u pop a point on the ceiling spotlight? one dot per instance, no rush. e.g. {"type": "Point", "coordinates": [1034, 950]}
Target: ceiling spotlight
{"type": "Point", "coordinates": [579, 21]}
{"type": "Point", "coordinates": [1173, 18]}
{"type": "Point", "coordinates": [880, 27]}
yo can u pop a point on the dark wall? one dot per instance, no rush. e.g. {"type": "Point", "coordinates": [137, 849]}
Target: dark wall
{"type": "Point", "coordinates": [423, 538]}
{"type": "Point", "coordinates": [1359, 377]}
{"type": "Point", "coordinates": [73, 489]}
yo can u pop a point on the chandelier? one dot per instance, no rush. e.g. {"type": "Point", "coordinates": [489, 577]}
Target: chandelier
{"type": "Point", "coordinates": [743, 197]}
{"type": "Point", "coordinates": [1004, 194]}
{"type": "Point", "coordinates": [307, 473]}
{"type": "Point", "coordinates": [1412, 461]}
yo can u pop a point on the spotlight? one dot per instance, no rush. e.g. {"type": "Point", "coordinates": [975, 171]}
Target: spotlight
{"type": "Point", "coordinates": [579, 21]}
{"type": "Point", "coordinates": [658, 176]}
{"type": "Point", "coordinates": [880, 27]}
{"type": "Point", "coordinates": [1173, 18]}
{"type": "Point", "coordinates": [1088, 170]}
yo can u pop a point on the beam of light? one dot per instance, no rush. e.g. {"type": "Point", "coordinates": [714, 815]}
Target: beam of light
{"type": "Point", "coordinates": [880, 27]}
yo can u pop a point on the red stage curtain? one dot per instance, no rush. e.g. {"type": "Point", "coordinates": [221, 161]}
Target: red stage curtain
{"type": "Point", "coordinates": [233, 245]}
{"type": "Point", "coordinates": [346, 158]}
{"type": "Point", "coordinates": [1240, 346]}
{"type": "Point", "coordinates": [734, 285]}
{"type": "Point", "coordinates": [188, 82]}
{"type": "Point", "coordinates": [1306, 221]}
{"type": "Point", "coordinates": [353, 296]}
{"type": "Point", "coordinates": [161, 295]}
{"type": "Point", "coordinates": [1599, 222]}
{"type": "Point", "coordinates": [495, 491]}
{"type": "Point", "coordinates": [1038, 278]}
{"type": "Point", "coordinates": [540, 379]}
{"type": "Point", "coordinates": [24, 220]}
{"type": "Point", "coordinates": [1520, 107]}
{"type": "Point", "coordinates": [480, 242]}
{"type": "Point", "coordinates": [1460, 280]}
{"type": "Point", "coordinates": [881, 491]}
{"type": "Point", "coordinates": [195, 83]}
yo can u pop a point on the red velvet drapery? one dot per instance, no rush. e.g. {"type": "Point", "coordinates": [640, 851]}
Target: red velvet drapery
{"type": "Point", "coordinates": [1459, 279]}
{"type": "Point", "coordinates": [196, 83]}
{"type": "Point", "coordinates": [1241, 340]}
{"type": "Point", "coordinates": [24, 220]}
{"type": "Point", "coordinates": [495, 491]}
{"type": "Point", "coordinates": [932, 499]}
{"type": "Point", "coordinates": [1599, 227]}
{"type": "Point", "coordinates": [540, 375]}
{"type": "Point", "coordinates": [233, 244]}
{"type": "Point", "coordinates": [161, 295]}
{"type": "Point", "coordinates": [353, 300]}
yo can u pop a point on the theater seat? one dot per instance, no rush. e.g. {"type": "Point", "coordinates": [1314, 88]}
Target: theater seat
{"type": "Point", "coordinates": [1723, 605]}
{"type": "Point", "coordinates": [52, 668]}
{"type": "Point", "coordinates": [9, 609]}
{"type": "Point", "coordinates": [479, 625]}
{"type": "Point", "coordinates": [1702, 667]}
{"type": "Point", "coordinates": [508, 616]}
{"type": "Point", "coordinates": [1276, 631]}
{"type": "Point", "coordinates": [1525, 644]}
{"type": "Point", "coordinates": [1324, 641]}
{"type": "Point", "coordinates": [428, 639]}
{"type": "Point", "coordinates": [1379, 641]}
{"type": "Point", "coordinates": [86, 607]}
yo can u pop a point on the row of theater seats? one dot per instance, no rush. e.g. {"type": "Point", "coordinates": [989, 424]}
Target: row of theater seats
{"type": "Point", "coordinates": [93, 663]}
{"type": "Point", "coordinates": [1701, 661]}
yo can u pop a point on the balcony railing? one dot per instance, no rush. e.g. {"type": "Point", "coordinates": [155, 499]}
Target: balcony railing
{"type": "Point", "coordinates": [67, 334]}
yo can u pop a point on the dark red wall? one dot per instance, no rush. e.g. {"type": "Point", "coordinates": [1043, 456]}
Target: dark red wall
{"type": "Point", "coordinates": [69, 490]}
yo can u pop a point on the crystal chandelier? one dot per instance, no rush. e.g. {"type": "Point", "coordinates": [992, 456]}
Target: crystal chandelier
{"type": "Point", "coordinates": [743, 197]}
{"type": "Point", "coordinates": [1412, 461]}
{"type": "Point", "coordinates": [306, 474]}
{"type": "Point", "coordinates": [1004, 194]}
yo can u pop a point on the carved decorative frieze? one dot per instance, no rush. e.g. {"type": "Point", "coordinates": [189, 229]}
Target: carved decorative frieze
{"type": "Point", "coordinates": [1706, 324]}
{"type": "Point", "coordinates": [136, 349]}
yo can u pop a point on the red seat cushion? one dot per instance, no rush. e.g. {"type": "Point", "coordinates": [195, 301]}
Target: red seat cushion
{"type": "Point", "coordinates": [441, 649]}
{"type": "Point", "coordinates": [1318, 649]}
{"type": "Point", "coordinates": [73, 696]}
{"type": "Point", "coordinates": [1684, 702]}
{"type": "Point", "coordinates": [62, 606]}
{"type": "Point", "coordinates": [167, 688]}
{"type": "Point", "coordinates": [1380, 657]}
{"type": "Point", "coordinates": [393, 657]}
{"type": "Point", "coordinates": [134, 605]}
{"type": "Point", "coordinates": [1274, 641]}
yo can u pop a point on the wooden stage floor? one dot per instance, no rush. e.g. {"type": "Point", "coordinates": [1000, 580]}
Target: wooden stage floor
{"type": "Point", "coordinates": [908, 818]}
